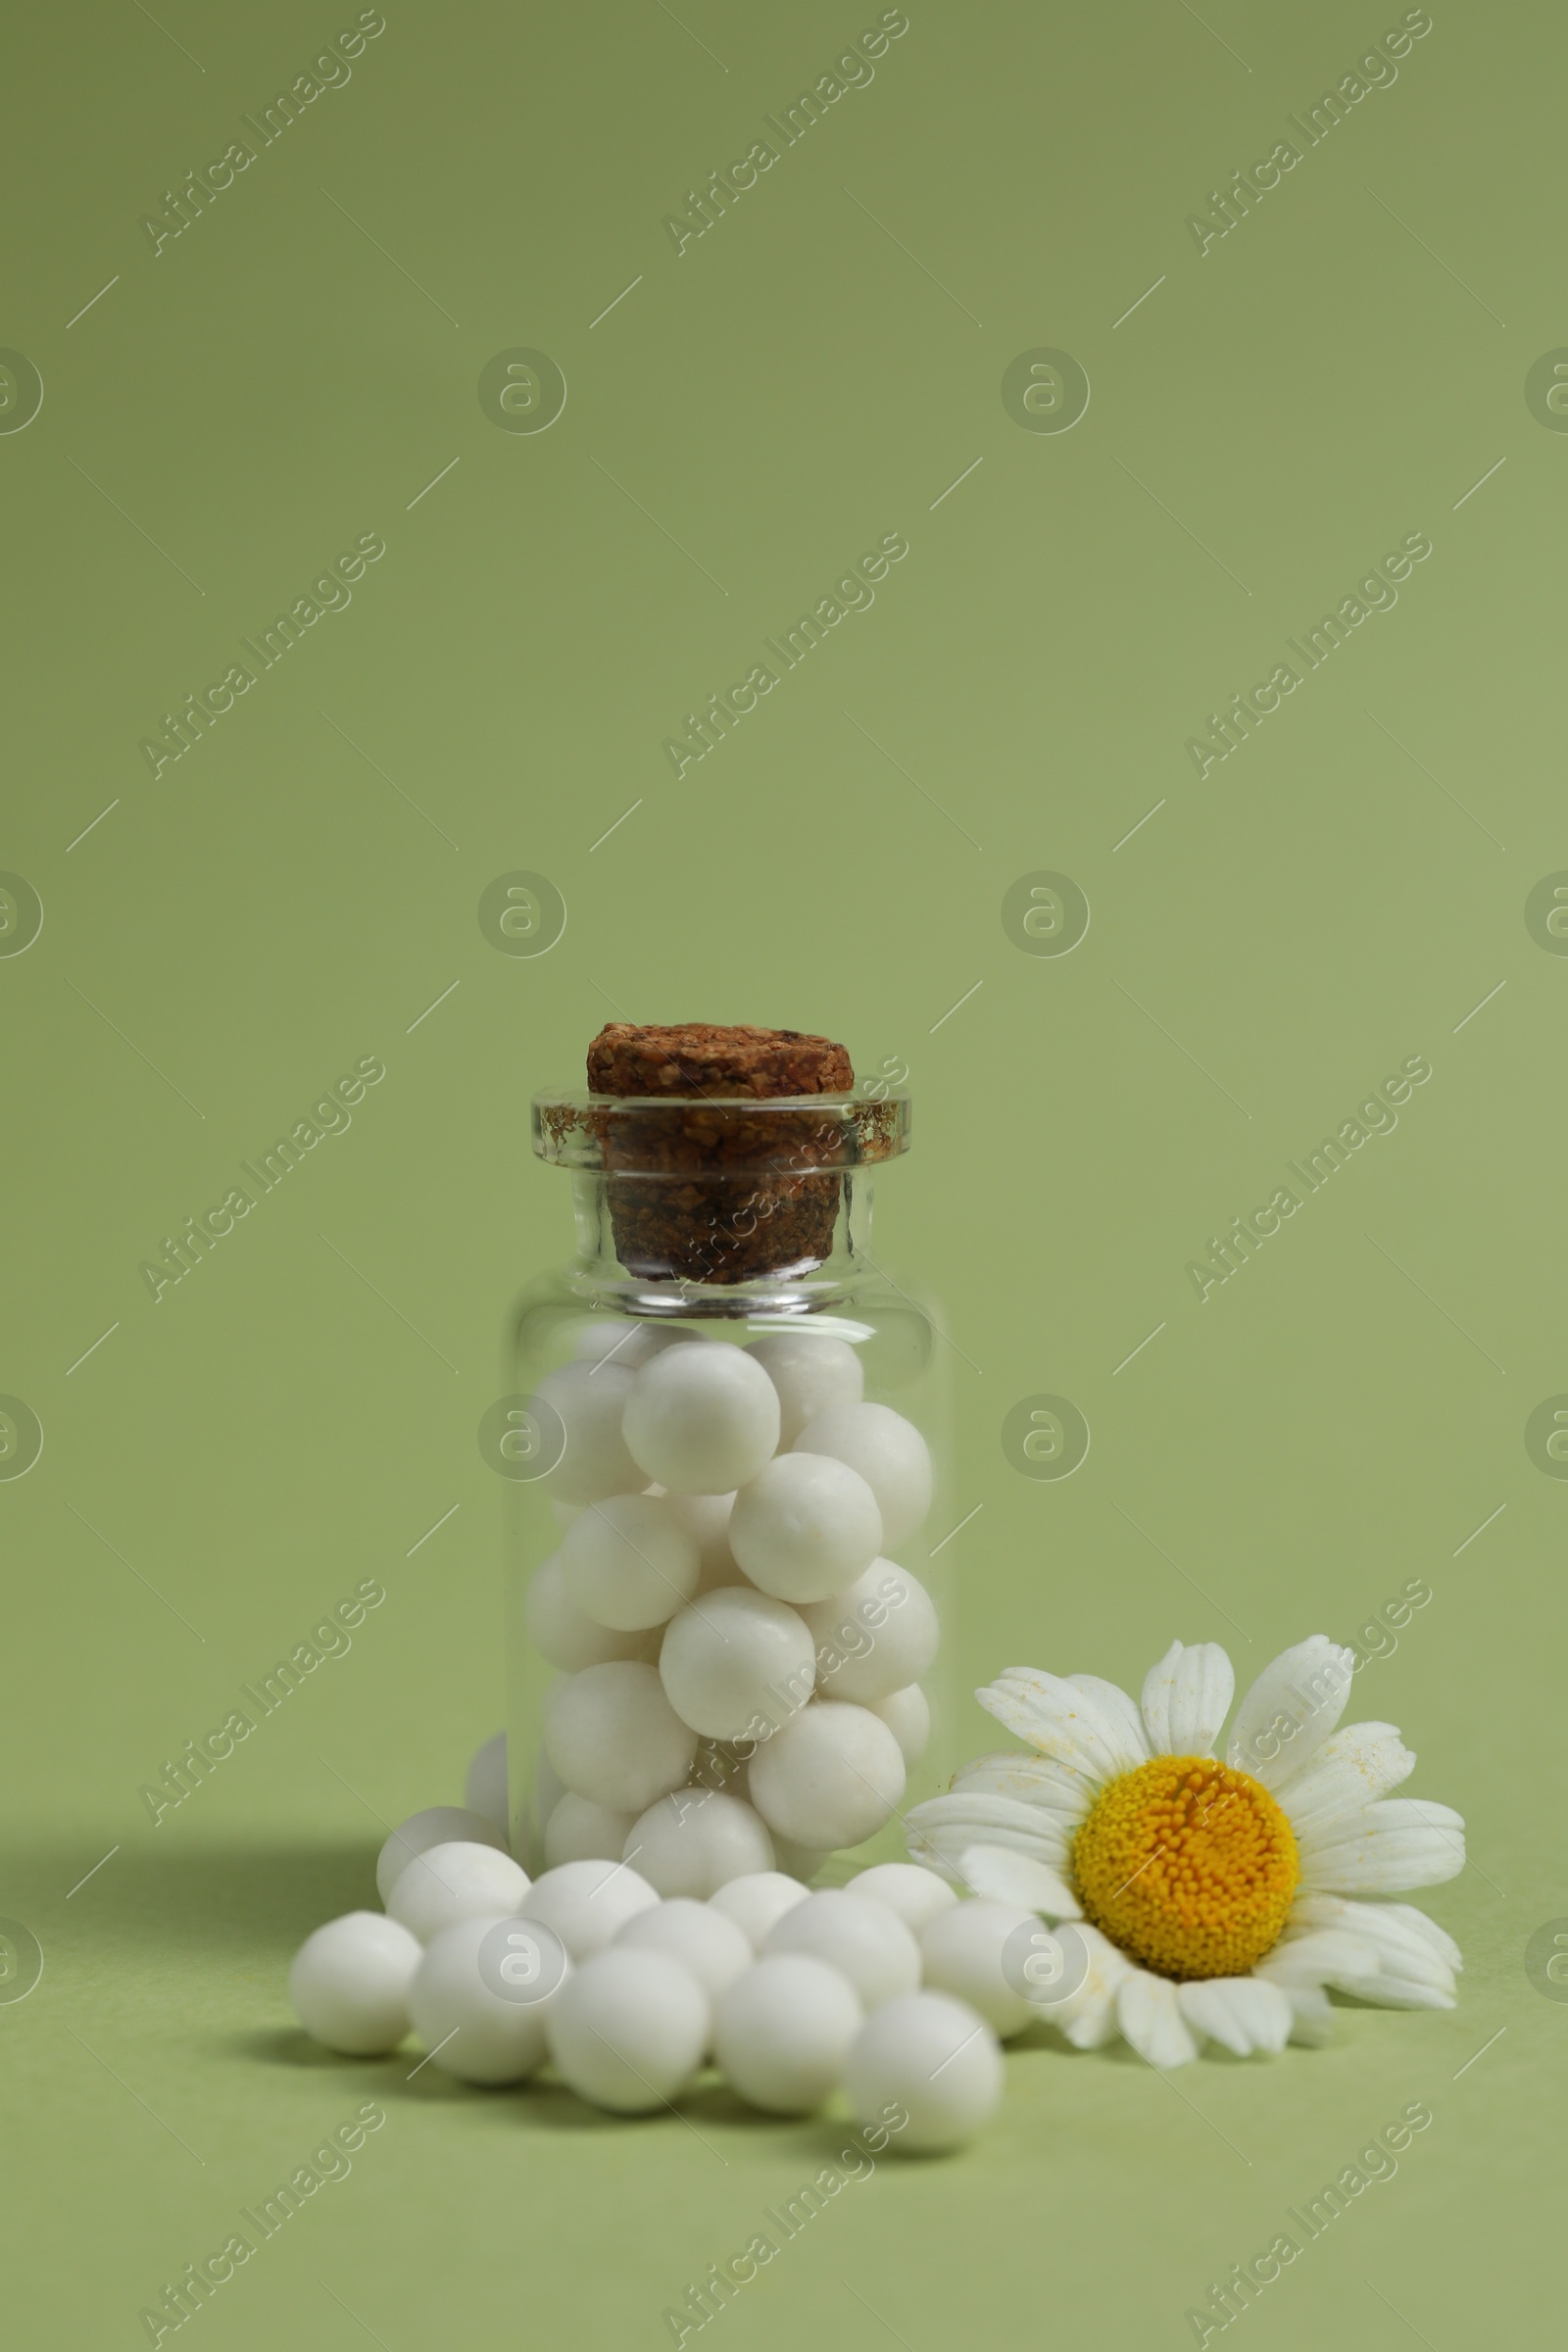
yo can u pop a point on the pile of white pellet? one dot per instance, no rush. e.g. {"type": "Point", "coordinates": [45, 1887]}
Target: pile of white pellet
{"type": "Point", "coordinates": [738, 1693]}
{"type": "Point", "coordinates": [891, 1990]}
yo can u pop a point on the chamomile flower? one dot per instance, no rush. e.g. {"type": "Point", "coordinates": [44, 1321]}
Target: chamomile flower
{"type": "Point", "coordinates": [1216, 1899]}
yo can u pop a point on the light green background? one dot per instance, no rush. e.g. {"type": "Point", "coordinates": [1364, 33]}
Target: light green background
{"type": "Point", "coordinates": [814, 372]}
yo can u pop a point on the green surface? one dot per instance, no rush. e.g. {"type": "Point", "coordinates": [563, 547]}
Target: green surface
{"type": "Point", "coordinates": [289, 375]}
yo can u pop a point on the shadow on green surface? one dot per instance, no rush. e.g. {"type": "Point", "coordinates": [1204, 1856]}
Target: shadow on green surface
{"type": "Point", "coordinates": [262, 1898]}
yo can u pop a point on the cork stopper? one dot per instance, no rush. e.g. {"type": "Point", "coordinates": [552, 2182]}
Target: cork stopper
{"type": "Point", "coordinates": [697, 1058]}
{"type": "Point", "coordinates": [711, 1194]}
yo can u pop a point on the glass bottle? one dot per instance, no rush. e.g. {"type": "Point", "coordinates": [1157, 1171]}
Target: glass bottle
{"type": "Point", "coordinates": [742, 1225]}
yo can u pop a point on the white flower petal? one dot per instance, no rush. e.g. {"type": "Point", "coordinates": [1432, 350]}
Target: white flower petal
{"type": "Point", "coordinates": [1150, 2018]}
{"type": "Point", "coordinates": [967, 1818]}
{"type": "Point", "coordinates": [1058, 1720]}
{"type": "Point", "coordinates": [1244, 2013]}
{"type": "Point", "coordinates": [1355, 1964]}
{"type": "Point", "coordinates": [1032, 1780]}
{"type": "Point", "coordinates": [1394, 1991]}
{"type": "Point", "coordinates": [1087, 2018]}
{"type": "Point", "coordinates": [1402, 1842]}
{"type": "Point", "coordinates": [1117, 1709]}
{"type": "Point", "coordinates": [1408, 1944]}
{"type": "Point", "coordinates": [1350, 1771]}
{"type": "Point", "coordinates": [1187, 1697]}
{"type": "Point", "coordinates": [1002, 1876]}
{"type": "Point", "coordinates": [1322, 1956]}
{"type": "Point", "coordinates": [1311, 2014]}
{"type": "Point", "coordinates": [1290, 1710]}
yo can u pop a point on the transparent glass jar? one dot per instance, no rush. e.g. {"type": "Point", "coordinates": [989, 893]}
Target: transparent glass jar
{"type": "Point", "coordinates": [680, 1702]}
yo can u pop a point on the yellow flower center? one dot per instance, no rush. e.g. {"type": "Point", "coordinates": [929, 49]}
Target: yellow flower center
{"type": "Point", "coordinates": [1187, 1866]}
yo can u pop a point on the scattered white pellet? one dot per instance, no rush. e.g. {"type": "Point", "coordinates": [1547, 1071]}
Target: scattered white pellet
{"type": "Point", "coordinates": [783, 2032]}
{"type": "Point", "coordinates": [587, 1903]}
{"type": "Point", "coordinates": [627, 2029]}
{"type": "Point", "coordinates": [702, 1420]}
{"type": "Point", "coordinates": [915, 1895]}
{"type": "Point", "coordinates": [931, 2059]}
{"type": "Point", "coordinates": [699, 1937]}
{"type": "Point", "coordinates": [437, 1825]}
{"type": "Point", "coordinates": [757, 1901]}
{"type": "Point", "coordinates": [864, 1941]}
{"type": "Point", "coordinates": [451, 1883]}
{"type": "Point", "coordinates": [479, 1995]}
{"type": "Point", "coordinates": [960, 1948]}
{"type": "Point", "coordinates": [350, 1983]}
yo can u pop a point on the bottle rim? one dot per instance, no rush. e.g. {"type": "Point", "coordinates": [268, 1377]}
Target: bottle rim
{"type": "Point", "coordinates": [719, 1136]}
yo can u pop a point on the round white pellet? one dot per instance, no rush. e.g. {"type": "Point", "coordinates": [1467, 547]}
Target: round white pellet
{"type": "Point", "coordinates": [484, 1791]}
{"type": "Point", "coordinates": [627, 2029]}
{"type": "Point", "coordinates": [864, 1940]}
{"type": "Point", "coordinates": [915, 1895]}
{"type": "Point", "coordinates": [612, 1735]}
{"type": "Point", "coordinates": [625, 1340]}
{"type": "Point", "coordinates": [628, 1564]}
{"type": "Point", "coordinates": [448, 1884]}
{"type": "Point", "coordinates": [737, 1663]}
{"type": "Point", "coordinates": [889, 1454]}
{"type": "Point", "coordinates": [350, 1983]}
{"type": "Point", "coordinates": [467, 2024]}
{"type": "Point", "coordinates": [878, 1637]}
{"type": "Point", "coordinates": [961, 1949]}
{"type": "Point", "coordinates": [579, 1831]}
{"type": "Point", "coordinates": [702, 1420]}
{"type": "Point", "coordinates": [908, 1716]}
{"type": "Point", "coordinates": [934, 2059]}
{"type": "Point", "coordinates": [758, 1901]}
{"type": "Point", "coordinates": [801, 1862]}
{"type": "Point", "coordinates": [700, 1939]}
{"type": "Point", "coordinates": [705, 1519]}
{"type": "Point", "coordinates": [831, 1777]}
{"type": "Point", "coordinates": [813, 1372]}
{"type": "Point", "coordinates": [783, 2032]}
{"type": "Point", "coordinates": [560, 1631]}
{"type": "Point", "coordinates": [695, 1840]}
{"type": "Point", "coordinates": [590, 1400]}
{"type": "Point", "coordinates": [804, 1527]}
{"type": "Point", "coordinates": [437, 1825]}
{"type": "Point", "coordinates": [587, 1903]}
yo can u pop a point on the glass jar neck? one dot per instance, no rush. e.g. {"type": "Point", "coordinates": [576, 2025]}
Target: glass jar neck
{"type": "Point", "coordinates": [699, 1270]}
{"type": "Point", "coordinates": [699, 1204]}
